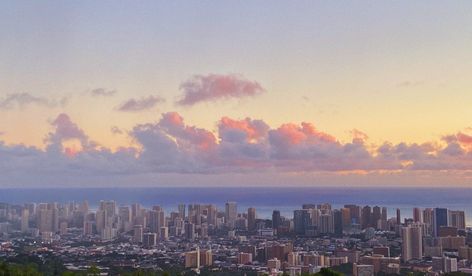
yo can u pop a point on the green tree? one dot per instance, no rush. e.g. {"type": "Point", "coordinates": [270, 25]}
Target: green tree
{"type": "Point", "coordinates": [93, 271]}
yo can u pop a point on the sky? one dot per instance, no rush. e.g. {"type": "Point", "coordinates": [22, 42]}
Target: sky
{"type": "Point", "coordinates": [149, 93]}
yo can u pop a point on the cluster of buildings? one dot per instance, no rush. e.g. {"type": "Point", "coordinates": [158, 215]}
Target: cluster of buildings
{"type": "Point", "coordinates": [363, 239]}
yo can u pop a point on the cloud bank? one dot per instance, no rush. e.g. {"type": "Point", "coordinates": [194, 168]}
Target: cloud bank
{"type": "Point", "coordinates": [249, 146]}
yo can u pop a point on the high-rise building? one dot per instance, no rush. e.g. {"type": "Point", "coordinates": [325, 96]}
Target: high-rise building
{"type": "Point", "coordinates": [326, 225]}
{"type": "Point", "coordinates": [63, 228]}
{"type": "Point", "coordinates": [149, 240]}
{"type": "Point", "coordinates": [428, 220]}
{"type": "Point", "coordinates": [212, 214]}
{"type": "Point", "coordinates": [315, 216]}
{"type": "Point", "coordinates": [182, 211]}
{"type": "Point", "coordinates": [47, 219]}
{"type": "Point", "coordinates": [323, 206]}
{"type": "Point", "coordinates": [384, 218]}
{"type": "Point", "coordinates": [465, 252]}
{"type": "Point", "coordinates": [164, 233]}
{"type": "Point", "coordinates": [135, 211]}
{"type": "Point", "coordinates": [308, 206]}
{"type": "Point", "coordinates": [381, 250]}
{"type": "Point", "coordinates": [195, 213]}
{"type": "Point", "coordinates": [273, 264]}
{"type": "Point", "coordinates": [366, 216]}
{"type": "Point", "coordinates": [192, 259]}
{"type": "Point", "coordinates": [440, 216]}
{"type": "Point", "coordinates": [346, 217]}
{"type": "Point", "coordinates": [444, 264]}
{"type": "Point", "coordinates": [109, 206]}
{"type": "Point", "coordinates": [108, 233]}
{"type": "Point", "coordinates": [355, 213]}
{"type": "Point", "coordinates": [251, 219]}
{"type": "Point", "coordinates": [231, 213]}
{"type": "Point", "coordinates": [313, 259]}
{"type": "Point", "coordinates": [301, 220]}
{"type": "Point", "coordinates": [138, 234]}
{"type": "Point", "coordinates": [412, 244]}
{"type": "Point", "coordinates": [156, 218]}
{"type": "Point", "coordinates": [376, 217]}
{"type": "Point", "coordinates": [189, 231]}
{"type": "Point", "coordinates": [24, 220]}
{"type": "Point", "coordinates": [101, 220]}
{"type": "Point", "coordinates": [276, 219]}
{"type": "Point", "coordinates": [417, 215]}
{"type": "Point", "coordinates": [338, 222]}
{"type": "Point", "coordinates": [31, 209]}
{"type": "Point", "coordinates": [399, 218]}
{"type": "Point", "coordinates": [293, 259]}
{"type": "Point", "coordinates": [88, 228]}
{"type": "Point", "coordinates": [428, 216]}
{"type": "Point", "coordinates": [244, 258]}
{"type": "Point", "coordinates": [457, 219]}
{"type": "Point", "coordinates": [206, 257]}
{"type": "Point", "coordinates": [124, 214]}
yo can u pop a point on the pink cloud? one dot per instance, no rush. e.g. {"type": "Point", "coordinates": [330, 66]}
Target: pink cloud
{"type": "Point", "coordinates": [172, 146]}
{"type": "Point", "coordinates": [216, 87]}
{"type": "Point", "coordinates": [358, 136]}
{"type": "Point", "coordinates": [291, 133]}
{"type": "Point", "coordinates": [174, 124]}
{"type": "Point", "coordinates": [252, 130]}
{"type": "Point", "coordinates": [464, 139]}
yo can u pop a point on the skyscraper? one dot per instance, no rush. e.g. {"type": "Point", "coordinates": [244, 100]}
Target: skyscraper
{"type": "Point", "coordinates": [428, 220]}
{"type": "Point", "coordinates": [326, 225]}
{"type": "Point", "coordinates": [301, 219]}
{"type": "Point", "coordinates": [182, 211]}
{"type": "Point", "coordinates": [399, 218]}
{"type": "Point", "coordinates": [190, 231]}
{"type": "Point", "coordinates": [354, 212]}
{"type": "Point", "coordinates": [251, 219]}
{"type": "Point", "coordinates": [457, 219]}
{"type": "Point", "coordinates": [412, 245]}
{"type": "Point", "coordinates": [366, 216]}
{"type": "Point", "coordinates": [24, 220]}
{"type": "Point", "coordinates": [212, 214]}
{"type": "Point", "coordinates": [417, 215]}
{"type": "Point", "coordinates": [138, 234]}
{"type": "Point", "coordinates": [338, 222]}
{"type": "Point", "coordinates": [231, 213]}
{"type": "Point", "coordinates": [440, 216]}
{"type": "Point", "coordinates": [124, 213]}
{"type": "Point", "coordinates": [154, 221]}
{"type": "Point", "coordinates": [376, 216]}
{"type": "Point", "coordinates": [276, 219]}
{"type": "Point", "coordinates": [149, 240]}
{"type": "Point", "coordinates": [384, 214]}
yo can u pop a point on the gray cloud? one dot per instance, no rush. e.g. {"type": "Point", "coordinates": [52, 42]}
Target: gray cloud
{"type": "Point", "coordinates": [102, 92]}
{"type": "Point", "coordinates": [142, 104]}
{"type": "Point", "coordinates": [116, 130]}
{"type": "Point", "coordinates": [21, 100]}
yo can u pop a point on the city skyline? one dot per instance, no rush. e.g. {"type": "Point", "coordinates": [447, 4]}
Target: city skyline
{"type": "Point", "coordinates": [205, 94]}
{"type": "Point", "coordinates": [352, 239]}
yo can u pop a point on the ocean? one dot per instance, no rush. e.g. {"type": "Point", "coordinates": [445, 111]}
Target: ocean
{"type": "Point", "coordinates": [264, 199]}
